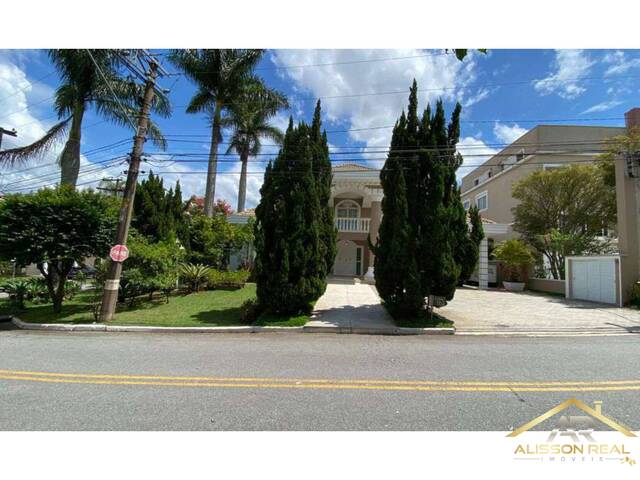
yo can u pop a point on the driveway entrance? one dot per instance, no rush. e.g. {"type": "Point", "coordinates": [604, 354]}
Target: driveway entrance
{"type": "Point", "coordinates": [493, 311]}
{"type": "Point", "coordinates": [349, 306]}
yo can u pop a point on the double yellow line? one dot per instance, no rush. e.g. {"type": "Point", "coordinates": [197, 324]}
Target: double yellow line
{"type": "Point", "coordinates": [320, 384]}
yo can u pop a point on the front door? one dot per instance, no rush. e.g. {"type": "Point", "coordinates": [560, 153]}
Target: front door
{"type": "Point", "coordinates": [346, 258]}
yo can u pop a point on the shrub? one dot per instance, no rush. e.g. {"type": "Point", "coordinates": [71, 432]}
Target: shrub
{"type": "Point", "coordinates": [635, 295]}
{"type": "Point", "coordinates": [150, 266]}
{"type": "Point", "coordinates": [71, 288]}
{"type": "Point", "coordinates": [194, 275]}
{"type": "Point", "coordinates": [17, 290]}
{"type": "Point", "coordinates": [222, 280]}
{"type": "Point", "coordinates": [37, 291]}
{"type": "Point", "coordinates": [516, 258]}
{"type": "Point", "coordinates": [250, 311]}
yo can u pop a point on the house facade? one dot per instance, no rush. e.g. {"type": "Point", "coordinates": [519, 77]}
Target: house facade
{"type": "Point", "coordinates": [356, 196]}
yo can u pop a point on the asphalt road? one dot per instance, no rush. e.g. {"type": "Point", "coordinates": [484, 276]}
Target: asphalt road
{"type": "Point", "coordinates": [125, 381]}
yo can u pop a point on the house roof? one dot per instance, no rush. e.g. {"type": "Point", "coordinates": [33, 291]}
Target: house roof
{"type": "Point", "coordinates": [351, 166]}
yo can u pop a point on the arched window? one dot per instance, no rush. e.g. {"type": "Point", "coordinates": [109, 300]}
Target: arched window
{"type": "Point", "coordinates": [347, 209]}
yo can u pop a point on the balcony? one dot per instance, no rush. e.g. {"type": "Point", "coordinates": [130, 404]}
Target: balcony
{"type": "Point", "coordinates": [354, 225]}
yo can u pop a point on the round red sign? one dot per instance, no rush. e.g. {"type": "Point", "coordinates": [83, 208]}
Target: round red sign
{"type": "Point", "coordinates": [119, 253]}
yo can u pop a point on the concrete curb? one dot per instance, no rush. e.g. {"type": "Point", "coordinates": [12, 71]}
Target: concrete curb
{"type": "Point", "coordinates": [381, 330]}
{"type": "Point", "coordinates": [142, 329]}
{"type": "Point", "coordinates": [240, 329]}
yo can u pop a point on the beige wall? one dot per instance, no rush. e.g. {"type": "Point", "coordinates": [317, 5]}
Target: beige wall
{"type": "Point", "coordinates": [541, 147]}
{"type": "Point", "coordinates": [628, 203]}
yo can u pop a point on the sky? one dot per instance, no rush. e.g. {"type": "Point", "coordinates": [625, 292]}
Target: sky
{"type": "Point", "coordinates": [503, 94]}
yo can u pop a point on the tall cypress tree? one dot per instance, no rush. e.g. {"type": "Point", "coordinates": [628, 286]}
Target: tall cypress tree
{"type": "Point", "coordinates": [157, 214]}
{"type": "Point", "coordinates": [323, 175]}
{"type": "Point", "coordinates": [290, 267]}
{"type": "Point", "coordinates": [397, 278]}
{"type": "Point", "coordinates": [428, 254]}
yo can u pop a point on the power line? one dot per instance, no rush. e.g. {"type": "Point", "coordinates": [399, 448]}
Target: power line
{"type": "Point", "coordinates": [37, 80]}
{"type": "Point", "coordinates": [113, 94]}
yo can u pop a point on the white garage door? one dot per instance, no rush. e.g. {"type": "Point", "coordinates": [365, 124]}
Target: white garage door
{"type": "Point", "coordinates": [594, 280]}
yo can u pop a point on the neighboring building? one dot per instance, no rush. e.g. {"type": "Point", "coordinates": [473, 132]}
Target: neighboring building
{"type": "Point", "coordinates": [543, 147]}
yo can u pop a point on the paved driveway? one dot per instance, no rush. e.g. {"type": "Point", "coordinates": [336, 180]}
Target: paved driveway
{"type": "Point", "coordinates": [492, 311]}
{"type": "Point", "coordinates": [349, 306]}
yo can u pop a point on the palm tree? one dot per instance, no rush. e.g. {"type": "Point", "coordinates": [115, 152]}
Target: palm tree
{"type": "Point", "coordinates": [249, 118]}
{"type": "Point", "coordinates": [117, 99]}
{"type": "Point", "coordinates": [221, 76]}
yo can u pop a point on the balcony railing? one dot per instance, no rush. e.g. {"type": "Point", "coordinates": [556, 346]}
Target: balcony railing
{"type": "Point", "coordinates": [356, 225]}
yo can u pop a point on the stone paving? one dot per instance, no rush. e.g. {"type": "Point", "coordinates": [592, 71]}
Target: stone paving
{"type": "Point", "coordinates": [485, 311]}
{"type": "Point", "coordinates": [349, 304]}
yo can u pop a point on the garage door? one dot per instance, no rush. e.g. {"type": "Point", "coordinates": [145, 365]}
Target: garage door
{"type": "Point", "coordinates": [594, 280]}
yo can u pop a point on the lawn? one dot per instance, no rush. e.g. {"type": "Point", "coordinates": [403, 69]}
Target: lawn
{"type": "Point", "coordinates": [271, 320]}
{"type": "Point", "coordinates": [215, 308]}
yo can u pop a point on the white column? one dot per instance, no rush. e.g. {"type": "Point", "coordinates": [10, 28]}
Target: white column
{"type": "Point", "coordinates": [374, 225]}
{"type": "Point", "coordinates": [483, 265]}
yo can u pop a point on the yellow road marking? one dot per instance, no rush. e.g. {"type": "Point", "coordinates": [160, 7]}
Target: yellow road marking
{"type": "Point", "coordinates": [251, 382]}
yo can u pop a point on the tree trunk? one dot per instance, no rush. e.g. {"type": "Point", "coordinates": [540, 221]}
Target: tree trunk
{"type": "Point", "coordinates": [242, 189]}
{"type": "Point", "coordinates": [210, 192]}
{"type": "Point", "coordinates": [70, 157]}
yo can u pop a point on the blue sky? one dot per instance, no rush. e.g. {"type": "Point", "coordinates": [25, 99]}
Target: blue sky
{"type": "Point", "coordinates": [503, 93]}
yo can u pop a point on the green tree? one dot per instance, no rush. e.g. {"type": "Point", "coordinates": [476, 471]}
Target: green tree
{"type": "Point", "coordinates": [221, 76]}
{"type": "Point", "coordinates": [323, 176]}
{"type": "Point", "coordinates": [212, 240]}
{"type": "Point", "coordinates": [438, 238]}
{"type": "Point", "coordinates": [151, 266]}
{"type": "Point", "coordinates": [290, 269]}
{"type": "Point", "coordinates": [53, 228]}
{"type": "Point", "coordinates": [249, 116]}
{"type": "Point", "coordinates": [159, 214]}
{"type": "Point", "coordinates": [396, 270]}
{"type": "Point", "coordinates": [617, 148]}
{"type": "Point", "coordinates": [563, 212]}
{"type": "Point", "coordinates": [82, 88]}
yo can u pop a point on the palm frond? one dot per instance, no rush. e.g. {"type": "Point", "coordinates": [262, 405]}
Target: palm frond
{"type": "Point", "coordinates": [37, 149]}
{"type": "Point", "coordinates": [156, 135]}
{"type": "Point", "coordinates": [202, 101]}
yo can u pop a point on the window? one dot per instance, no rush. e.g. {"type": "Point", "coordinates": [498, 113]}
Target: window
{"type": "Point", "coordinates": [476, 182]}
{"type": "Point", "coordinates": [466, 204]}
{"type": "Point", "coordinates": [347, 209]}
{"type": "Point", "coordinates": [520, 155]}
{"type": "Point", "coordinates": [482, 201]}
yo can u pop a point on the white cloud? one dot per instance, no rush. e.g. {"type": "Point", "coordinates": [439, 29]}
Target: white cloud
{"type": "Point", "coordinates": [569, 65]}
{"type": "Point", "coordinates": [619, 63]}
{"type": "Point", "coordinates": [475, 152]}
{"type": "Point", "coordinates": [508, 134]}
{"type": "Point", "coordinates": [602, 106]}
{"type": "Point", "coordinates": [438, 76]}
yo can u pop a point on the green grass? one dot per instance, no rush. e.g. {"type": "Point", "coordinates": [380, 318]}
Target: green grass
{"type": "Point", "coordinates": [436, 321]}
{"type": "Point", "coordinates": [216, 308]}
{"type": "Point", "coordinates": [273, 320]}
{"type": "Point", "coordinates": [424, 322]}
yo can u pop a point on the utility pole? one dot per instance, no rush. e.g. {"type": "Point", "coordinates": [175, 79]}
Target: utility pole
{"type": "Point", "coordinates": [115, 190]}
{"type": "Point", "coordinates": [4, 131]}
{"type": "Point", "coordinates": [112, 282]}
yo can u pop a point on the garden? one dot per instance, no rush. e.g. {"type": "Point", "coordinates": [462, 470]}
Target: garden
{"type": "Point", "coordinates": [176, 275]}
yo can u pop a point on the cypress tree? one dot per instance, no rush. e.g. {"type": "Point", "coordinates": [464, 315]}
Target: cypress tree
{"type": "Point", "coordinates": [157, 214]}
{"type": "Point", "coordinates": [290, 268]}
{"type": "Point", "coordinates": [323, 175]}
{"type": "Point", "coordinates": [397, 278]}
{"type": "Point", "coordinates": [427, 254]}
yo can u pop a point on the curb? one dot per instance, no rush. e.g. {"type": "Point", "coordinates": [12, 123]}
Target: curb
{"type": "Point", "coordinates": [381, 330]}
{"type": "Point", "coordinates": [241, 329]}
{"type": "Point", "coordinates": [142, 329]}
